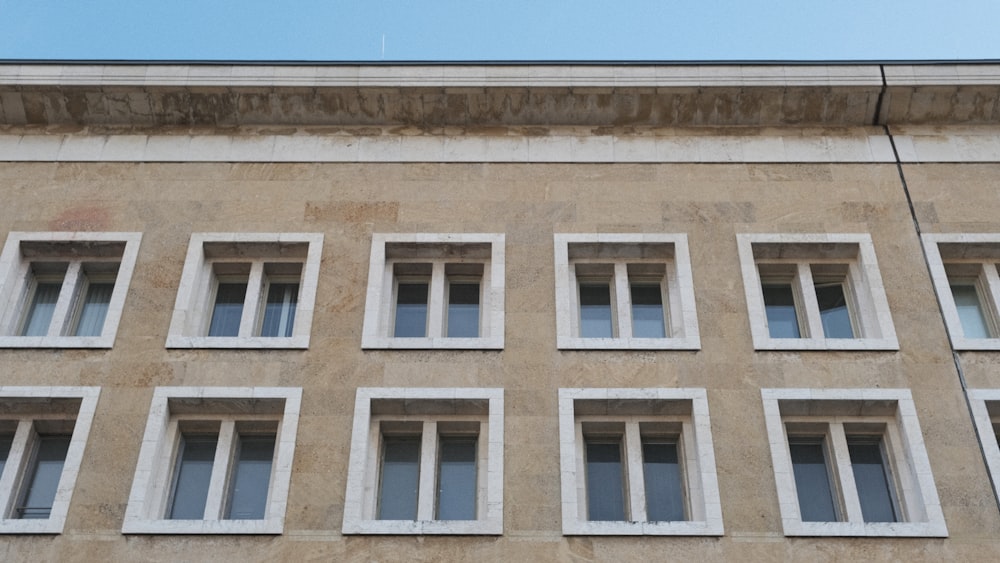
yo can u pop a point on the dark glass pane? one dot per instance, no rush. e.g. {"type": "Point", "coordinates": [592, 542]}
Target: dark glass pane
{"type": "Point", "coordinates": [833, 311]}
{"type": "Point", "coordinates": [457, 479]}
{"type": "Point", "coordinates": [279, 311]}
{"type": "Point", "coordinates": [779, 306]}
{"type": "Point", "coordinates": [5, 441]}
{"type": "Point", "coordinates": [647, 311]}
{"type": "Point", "coordinates": [605, 482]}
{"type": "Point", "coordinates": [195, 457]}
{"type": "Point", "coordinates": [44, 477]}
{"type": "Point", "coordinates": [871, 480]}
{"type": "Point", "coordinates": [411, 310]}
{"type": "Point", "coordinates": [43, 304]}
{"type": "Point", "coordinates": [94, 309]}
{"type": "Point", "coordinates": [228, 309]}
{"type": "Point", "coordinates": [397, 495]}
{"type": "Point", "coordinates": [463, 310]}
{"type": "Point", "coordinates": [970, 311]}
{"type": "Point", "coordinates": [595, 310]}
{"type": "Point", "coordinates": [812, 481]}
{"type": "Point", "coordinates": [662, 476]}
{"type": "Point", "coordinates": [251, 478]}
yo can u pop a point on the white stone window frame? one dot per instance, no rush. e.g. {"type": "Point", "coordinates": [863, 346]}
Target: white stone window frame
{"type": "Point", "coordinates": [681, 319]}
{"type": "Point", "coordinates": [380, 301]}
{"type": "Point", "coordinates": [16, 281]}
{"type": "Point", "coordinates": [424, 404]}
{"type": "Point", "coordinates": [968, 250]}
{"type": "Point", "coordinates": [11, 480]}
{"type": "Point", "coordinates": [697, 452]}
{"type": "Point", "coordinates": [907, 461]}
{"type": "Point", "coordinates": [149, 498]}
{"type": "Point", "coordinates": [863, 289]}
{"type": "Point", "coordinates": [196, 294]}
{"type": "Point", "coordinates": [985, 406]}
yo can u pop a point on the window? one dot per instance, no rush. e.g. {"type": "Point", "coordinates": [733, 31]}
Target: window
{"type": "Point", "coordinates": [815, 292]}
{"type": "Point", "coordinates": [985, 406]}
{"type": "Point", "coordinates": [637, 462]}
{"type": "Point", "coordinates": [43, 432]}
{"type": "Point", "coordinates": [851, 462]}
{"type": "Point", "coordinates": [64, 290]}
{"type": "Point", "coordinates": [215, 460]}
{"type": "Point", "coordinates": [426, 461]}
{"type": "Point", "coordinates": [247, 291]}
{"type": "Point", "coordinates": [964, 270]}
{"type": "Point", "coordinates": [624, 291]}
{"type": "Point", "coordinates": [431, 291]}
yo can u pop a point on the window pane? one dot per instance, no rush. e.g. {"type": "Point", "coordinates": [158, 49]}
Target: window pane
{"type": "Point", "coordinates": [94, 309]}
{"type": "Point", "coordinates": [779, 306]}
{"type": "Point", "coordinates": [457, 479]}
{"type": "Point", "coordinates": [595, 310]}
{"type": "Point", "coordinates": [970, 311]}
{"type": "Point", "coordinates": [44, 477]}
{"type": "Point", "coordinates": [192, 476]}
{"type": "Point", "coordinates": [5, 441]}
{"type": "Point", "coordinates": [463, 310]}
{"type": "Point", "coordinates": [411, 310]}
{"type": "Point", "coordinates": [400, 479]}
{"type": "Point", "coordinates": [833, 311]}
{"type": "Point", "coordinates": [871, 479]}
{"type": "Point", "coordinates": [43, 304]}
{"type": "Point", "coordinates": [228, 309]}
{"type": "Point", "coordinates": [251, 478]}
{"type": "Point", "coordinates": [647, 311]}
{"type": "Point", "coordinates": [279, 311]}
{"type": "Point", "coordinates": [605, 483]}
{"type": "Point", "coordinates": [812, 481]}
{"type": "Point", "coordinates": [662, 476]}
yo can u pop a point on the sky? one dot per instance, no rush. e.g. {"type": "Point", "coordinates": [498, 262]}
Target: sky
{"type": "Point", "coordinates": [499, 30]}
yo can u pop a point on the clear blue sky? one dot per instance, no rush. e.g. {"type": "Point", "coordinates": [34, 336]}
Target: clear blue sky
{"type": "Point", "coordinates": [455, 30]}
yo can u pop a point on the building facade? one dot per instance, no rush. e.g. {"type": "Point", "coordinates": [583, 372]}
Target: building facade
{"type": "Point", "coordinates": [499, 312]}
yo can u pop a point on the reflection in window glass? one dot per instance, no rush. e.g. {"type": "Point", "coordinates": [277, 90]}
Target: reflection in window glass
{"type": "Point", "coordinates": [279, 311]}
{"type": "Point", "coordinates": [192, 475]}
{"type": "Point", "coordinates": [812, 481]}
{"type": "Point", "coordinates": [228, 309]}
{"type": "Point", "coordinates": [463, 310]}
{"type": "Point", "coordinates": [43, 304]}
{"type": "Point", "coordinates": [605, 481]}
{"type": "Point", "coordinates": [662, 477]}
{"type": "Point", "coordinates": [400, 478]}
{"type": "Point", "coordinates": [833, 311]}
{"type": "Point", "coordinates": [44, 476]}
{"type": "Point", "coordinates": [871, 479]}
{"type": "Point", "coordinates": [595, 310]}
{"type": "Point", "coordinates": [779, 305]}
{"type": "Point", "coordinates": [94, 309]}
{"type": "Point", "coordinates": [411, 310]}
{"type": "Point", "coordinates": [251, 478]}
{"type": "Point", "coordinates": [457, 479]}
{"type": "Point", "coordinates": [970, 311]}
{"type": "Point", "coordinates": [647, 311]}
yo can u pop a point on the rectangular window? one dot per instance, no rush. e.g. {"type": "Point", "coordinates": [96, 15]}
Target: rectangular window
{"type": "Point", "coordinates": [595, 310]}
{"type": "Point", "coordinates": [43, 476]}
{"type": "Point", "coordinates": [195, 457]}
{"type": "Point", "coordinates": [779, 306]}
{"type": "Point", "coordinates": [228, 309]}
{"type": "Point", "coordinates": [251, 477]}
{"type": "Point", "coordinates": [605, 480]}
{"type": "Point", "coordinates": [279, 311]}
{"type": "Point", "coordinates": [661, 471]}
{"type": "Point", "coordinates": [647, 311]}
{"type": "Point", "coordinates": [463, 309]}
{"type": "Point", "coordinates": [457, 478]}
{"type": "Point", "coordinates": [833, 310]}
{"type": "Point", "coordinates": [812, 480]}
{"type": "Point", "coordinates": [38, 317]}
{"type": "Point", "coordinates": [871, 479]}
{"type": "Point", "coordinates": [970, 311]}
{"type": "Point", "coordinates": [964, 268]}
{"type": "Point", "coordinates": [411, 310]}
{"type": "Point", "coordinates": [94, 308]}
{"type": "Point", "coordinates": [400, 478]}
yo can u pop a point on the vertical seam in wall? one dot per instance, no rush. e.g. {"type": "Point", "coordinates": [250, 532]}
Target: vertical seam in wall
{"type": "Point", "coordinates": [956, 359]}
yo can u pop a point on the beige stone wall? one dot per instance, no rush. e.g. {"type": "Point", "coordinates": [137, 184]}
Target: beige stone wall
{"type": "Point", "coordinates": [528, 202]}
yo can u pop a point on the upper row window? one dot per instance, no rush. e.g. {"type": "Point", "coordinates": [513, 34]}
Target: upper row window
{"type": "Point", "coordinates": [964, 271]}
{"type": "Point", "coordinates": [64, 290]}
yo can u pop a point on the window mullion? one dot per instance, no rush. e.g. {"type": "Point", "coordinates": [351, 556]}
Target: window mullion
{"type": "Point", "coordinates": [17, 460]}
{"type": "Point", "coordinates": [436, 301]}
{"type": "Point", "coordinates": [215, 503]}
{"type": "Point", "coordinates": [623, 301]}
{"type": "Point", "coordinates": [426, 495]}
{"type": "Point", "coordinates": [252, 300]}
{"type": "Point", "coordinates": [992, 295]}
{"type": "Point", "coordinates": [636, 482]}
{"type": "Point", "coordinates": [810, 306]}
{"type": "Point", "coordinates": [67, 294]}
{"type": "Point", "coordinates": [845, 474]}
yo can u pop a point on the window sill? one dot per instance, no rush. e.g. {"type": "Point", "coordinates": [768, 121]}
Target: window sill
{"type": "Point", "coordinates": [577, 528]}
{"type": "Point", "coordinates": [273, 526]}
{"type": "Point", "coordinates": [235, 342]}
{"type": "Point", "coordinates": [385, 343]}
{"type": "Point", "coordinates": [428, 527]}
{"type": "Point", "coordinates": [57, 341]}
{"type": "Point", "coordinates": [976, 343]}
{"type": "Point", "coordinates": [41, 526]}
{"type": "Point", "coordinates": [573, 343]}
{"type": "Point", "coordinates": [826, 344]}
{"type": "Point", "coordinates": [866, 529]}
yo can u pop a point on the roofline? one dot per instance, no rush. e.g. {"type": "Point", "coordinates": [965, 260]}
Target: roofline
{"type": "Point", "coordinates": [582, 63]}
